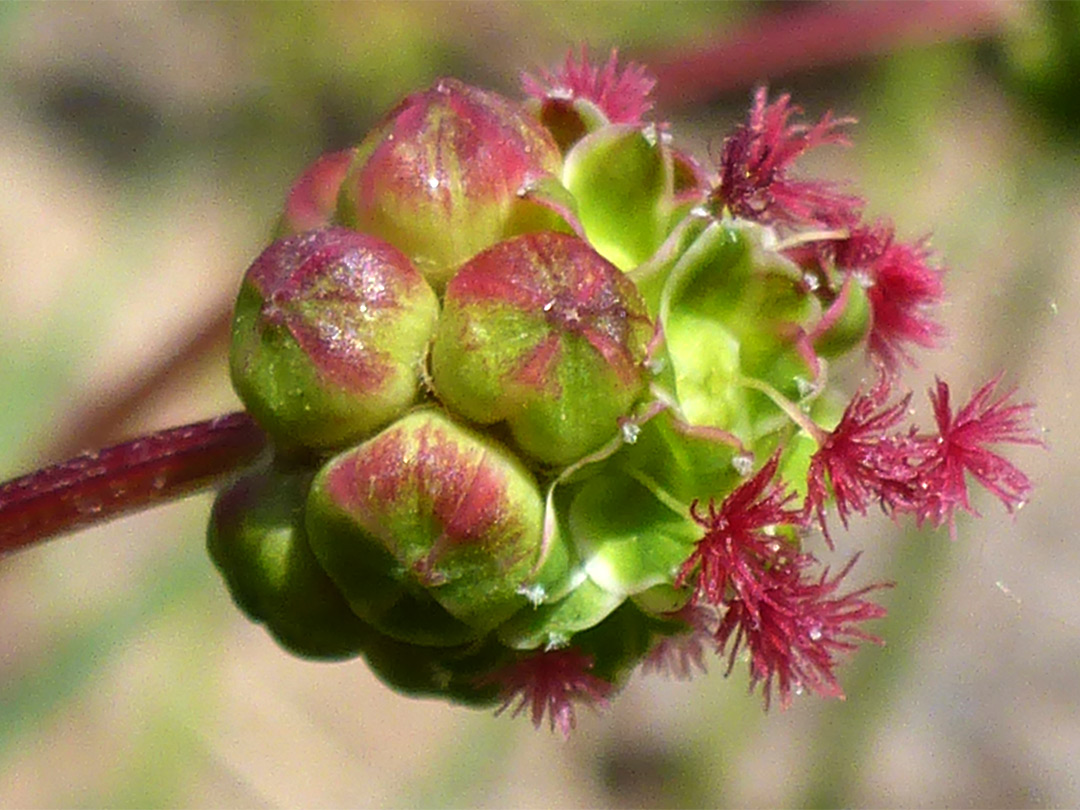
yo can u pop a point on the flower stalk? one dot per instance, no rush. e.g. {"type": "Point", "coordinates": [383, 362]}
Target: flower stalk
{"type": "Point", "coordinates": [98, 486]}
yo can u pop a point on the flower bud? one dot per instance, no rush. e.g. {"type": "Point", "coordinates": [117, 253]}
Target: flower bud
{"type": "Point", "coordinates": [329, 336]}
{"type": "Point", "coordinates": [313, 197]}
{"type": "Point", "coordinates": [458, 674]}
{"type": "Point", "coordinates": [445, 174]}
{"type": "Point", "coordinates": [430, 530]}
{"type": "Point", "coordinates": [545, 334]}
{"type": "Point", "coordinates": [257, 541]}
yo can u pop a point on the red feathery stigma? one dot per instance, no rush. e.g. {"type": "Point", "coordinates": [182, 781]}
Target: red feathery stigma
{"type": "Point", "coordinates": [551, 682]}
{"type": "Point", "coordinates": [862, 461]}
{"type": "Point", "coordinates": [960, 447]}
{"type": "Point", "coordinates": [754, 161]}
{"type": "Point", "coordinates": [678, 656]}
{"type": "Point", "coordinates": [735, 551]}
{"type": "Point", "coordinates": [622, 97]}
{"type": "Point", "coordinates": [801, 625]}
{"type": "Point", "coordinates": [902, 286]}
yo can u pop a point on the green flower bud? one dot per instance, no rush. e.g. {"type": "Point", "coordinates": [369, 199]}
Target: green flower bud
{"type": "Point", "coordinates": [257, 541]}
{"type": "Point", "coordinates": [445, 175]}
{"type": "Point", "coordinates": [545, 334]}
{"type": "Point", "coordinates": [458, 674]}
{"type": "Point", "coordinates": [431, 531]}
{"type": "Point", "coordinates": [329, 336]}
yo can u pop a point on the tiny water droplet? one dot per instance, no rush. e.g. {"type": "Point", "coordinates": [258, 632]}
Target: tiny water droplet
{"type": "Point", "coordinates": [433, 182]}
{"type": "Point", "coordinates": [556, 641]}
{"type": "Point", "coordinates": [701, 212]}
{"type": "Point", "coordinates": [798, 689]}
{"type": "Point", "coordinates": [811, 281]}
{"type": "Point", "coordinates": [87, 506]}
{"type": "Point", "coordinates": [1053, 307]}
{"type": "Point", "coordinates": [743, 463]}
{"type": "Point", "coordinates": [630, 432]}
{"type": "Point", "coordinates": [656, 365]}
{"type": "Point", "coordinates": [805, 386]}
{"type": "Point", "coordinates": [815, 633]}
{"type": "Point", "coordinates": [536, 594]}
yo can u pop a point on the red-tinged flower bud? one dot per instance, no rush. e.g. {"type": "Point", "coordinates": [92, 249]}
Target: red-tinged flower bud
{"type": "Point", "coordinates": [256, 539]}
{"type": "Point", "coordinates": [329, 336]}
{"type": "Point", "coordinates": [445, 174]}
{"type": "Point", "coordinates": [431, 531]}
{"type": "Point", "coordinates": [545, 334]}
{"type": "Point", "coordinates": [313, 197]}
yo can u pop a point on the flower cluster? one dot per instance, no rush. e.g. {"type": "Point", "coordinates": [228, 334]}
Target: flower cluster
{"type": "Point", "coordinates": [551, 402]}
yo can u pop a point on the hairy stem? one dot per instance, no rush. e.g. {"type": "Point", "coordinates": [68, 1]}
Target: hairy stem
{"type": "Point", "coordinates": [99, 486]}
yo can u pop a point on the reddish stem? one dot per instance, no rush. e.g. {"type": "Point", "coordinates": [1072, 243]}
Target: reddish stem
{"type": "Point", "coordinates": [810, 36]}
{"type": "Point", "coordinates": [99, 486]}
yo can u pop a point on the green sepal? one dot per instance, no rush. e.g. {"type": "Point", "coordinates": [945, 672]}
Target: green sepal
{"type": "Point", "coordinates": [662, 600]}
{"type": "Point", "coordinates": [257, 541]}
{"type": "Point", "coordinates": [678, 467]}
{"type": "Point", "coordinates": [622, 182]}
{"type": "Point", "coordinates": [458, 674]}
{"type": "Point", "coordinates": [568, 120]}
{"type": "Point", "coordinates": [851, 327]}
{"type": "Point", "coordinates": [652, 275]}
{"type": "Point", "coordinates": [618, 643]}
{"type": "Point", "coordinates": [554, 625]}
{"type": "Point", "coordinates": [630, 541]}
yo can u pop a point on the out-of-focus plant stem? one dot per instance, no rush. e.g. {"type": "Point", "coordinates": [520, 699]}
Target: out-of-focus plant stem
{"type": "Point", "coordinates": [813, 35]}
{"type": "Point", "coordinates": [99, 486]}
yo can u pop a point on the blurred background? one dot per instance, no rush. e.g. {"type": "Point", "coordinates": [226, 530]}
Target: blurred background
{"type": "Point", "coordinates": [145, 150]}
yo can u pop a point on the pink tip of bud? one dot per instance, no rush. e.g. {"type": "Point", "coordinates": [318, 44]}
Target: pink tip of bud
{"type": "Point", "coordinates": [313, 197]}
